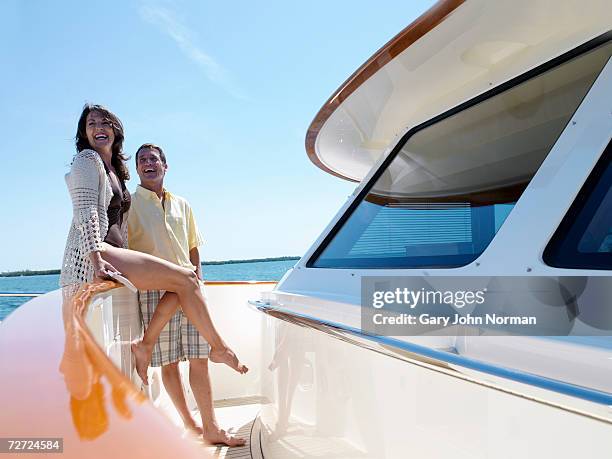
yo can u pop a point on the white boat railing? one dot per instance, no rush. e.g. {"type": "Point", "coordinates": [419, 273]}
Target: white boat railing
{"type": "Point", "coordinates": [20, 294]}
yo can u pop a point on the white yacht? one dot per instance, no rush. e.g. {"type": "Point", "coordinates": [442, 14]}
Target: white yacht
{"type": "Point", "coordinates": [479, 139]}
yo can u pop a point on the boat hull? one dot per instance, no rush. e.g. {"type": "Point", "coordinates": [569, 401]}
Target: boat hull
{"type": "Point", "coordinates": [332, 396]}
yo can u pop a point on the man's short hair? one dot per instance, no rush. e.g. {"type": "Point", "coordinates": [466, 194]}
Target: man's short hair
{"type": "Point", "coordinates": [151, 146]}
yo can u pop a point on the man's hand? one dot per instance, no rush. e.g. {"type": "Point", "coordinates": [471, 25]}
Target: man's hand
{"type": "Point", "coordinates": [194, 258]}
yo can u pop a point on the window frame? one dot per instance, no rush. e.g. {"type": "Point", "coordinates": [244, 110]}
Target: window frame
{"type": "Point", "coordinates": [562, 248]}
{"type": "Point", "coordinates": [542, 68]}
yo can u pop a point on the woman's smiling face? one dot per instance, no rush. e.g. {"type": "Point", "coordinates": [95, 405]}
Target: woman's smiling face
{"type": "Point", "coordinates": [99, 130]}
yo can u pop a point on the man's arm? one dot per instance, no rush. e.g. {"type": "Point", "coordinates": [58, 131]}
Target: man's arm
{"type": "Point", "coordinates": [194, 258]}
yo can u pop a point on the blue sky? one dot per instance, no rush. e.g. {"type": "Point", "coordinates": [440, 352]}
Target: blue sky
{"type": "Point", "coordinates": [228, 89]}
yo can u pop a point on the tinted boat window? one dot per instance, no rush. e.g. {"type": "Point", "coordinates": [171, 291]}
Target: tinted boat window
{"type": "Point", "coordinates": [584, 238]}
{"type": "Point", "coordinates": [451, 185]}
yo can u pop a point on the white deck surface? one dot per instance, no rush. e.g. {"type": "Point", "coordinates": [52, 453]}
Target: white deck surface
{"type": "Point", "coordinates": [234, 415]}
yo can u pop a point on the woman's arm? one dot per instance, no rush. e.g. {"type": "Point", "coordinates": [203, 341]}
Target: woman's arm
{"type": "Point", "coordinates": [83, 186]}
{"type": "Point", "coordinates": [101, 266]}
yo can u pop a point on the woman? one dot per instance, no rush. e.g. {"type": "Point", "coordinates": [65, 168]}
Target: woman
{"type": "Point", "coordinates": [98, 237]}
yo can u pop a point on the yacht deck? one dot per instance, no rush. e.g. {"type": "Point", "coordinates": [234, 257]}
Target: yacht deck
{"type": "Point", "coordinates": [236, 415]}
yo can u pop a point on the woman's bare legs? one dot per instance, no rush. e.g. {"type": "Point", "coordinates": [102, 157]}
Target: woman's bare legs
{"type": "Point", "coordinates": [147, 272]}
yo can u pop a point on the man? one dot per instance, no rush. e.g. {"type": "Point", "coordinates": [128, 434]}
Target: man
{"type": "Point", "coordinates": [162, 224]}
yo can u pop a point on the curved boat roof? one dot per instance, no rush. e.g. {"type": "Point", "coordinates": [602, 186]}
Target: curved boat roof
{"type": "Point", "coordinates": [453, 52]}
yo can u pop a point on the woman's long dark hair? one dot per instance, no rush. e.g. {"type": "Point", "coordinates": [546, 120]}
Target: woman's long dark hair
{"type": "Point", "coordinates": [118, 159]}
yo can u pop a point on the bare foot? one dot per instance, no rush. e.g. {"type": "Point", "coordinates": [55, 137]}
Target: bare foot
{"type": "Point", "coordinates": [227, 356]}
{"type": "Point", "coordinates": [142, 355]}
{"type": "Point", "coordinates": [221, 437]}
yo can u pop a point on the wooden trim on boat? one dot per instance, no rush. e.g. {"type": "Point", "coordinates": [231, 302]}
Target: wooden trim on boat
{"type": "Point", "coordinates": [423, 24]}
{"type": "Point", "coordinates": [507, 194]}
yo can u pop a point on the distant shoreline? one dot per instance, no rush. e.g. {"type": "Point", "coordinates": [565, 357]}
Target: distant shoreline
{"type": "Point", "coordinates": [249, 260]}
{"type": "Point", "coordinates": [46, 272]}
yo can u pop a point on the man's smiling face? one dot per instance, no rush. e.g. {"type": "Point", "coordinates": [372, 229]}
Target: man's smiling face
{"type": "Point", "coordinates": [150, 167]}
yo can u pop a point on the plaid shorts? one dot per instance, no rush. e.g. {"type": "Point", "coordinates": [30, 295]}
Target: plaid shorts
{"type": "Point", "coordinates": [179, 340]}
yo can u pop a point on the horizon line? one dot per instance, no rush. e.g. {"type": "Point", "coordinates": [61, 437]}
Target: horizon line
{"type": "Point", "coordinates": [41, 272]}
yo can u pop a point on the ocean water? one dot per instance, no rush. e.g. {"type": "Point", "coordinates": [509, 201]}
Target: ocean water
{"type": "Point", "coordinates": [259, 271]}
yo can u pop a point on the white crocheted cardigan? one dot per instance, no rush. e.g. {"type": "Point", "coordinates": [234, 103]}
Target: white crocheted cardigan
{"type": "Point", "coordinates": [91, 193]}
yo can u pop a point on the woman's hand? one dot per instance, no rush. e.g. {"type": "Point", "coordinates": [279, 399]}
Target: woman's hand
{"type": "Point", "coordinates": [101, 267]}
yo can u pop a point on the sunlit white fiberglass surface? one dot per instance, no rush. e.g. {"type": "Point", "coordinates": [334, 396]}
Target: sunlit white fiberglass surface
{"type": "Point", "coordinates": [483, 185]}
{"type": "Point", "coordinates": [489, 187]}
{"type": "Point", "coordinates": [477, 146]}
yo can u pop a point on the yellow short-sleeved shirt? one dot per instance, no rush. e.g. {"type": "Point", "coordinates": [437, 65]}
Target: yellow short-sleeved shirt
{"type": "Point", "coordinates": [169, 231]}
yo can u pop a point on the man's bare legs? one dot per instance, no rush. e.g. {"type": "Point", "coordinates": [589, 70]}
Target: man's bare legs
{"type": "Point", "coordinates": [199, 381]}
{"type": "Point", "coordinates": [202, 391]}
{"type": "Point", "coordinates": [151, 273]}
{"type": "Point", "coordinates": [172, 382]}
{"type": "Point", "coordinates": [143, 349]}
